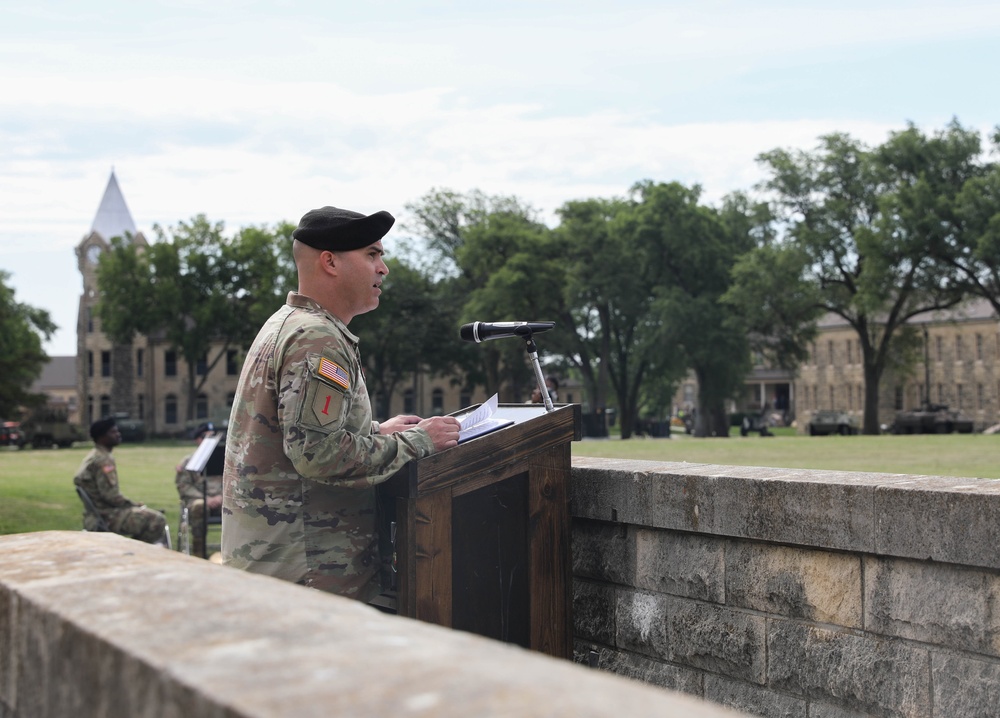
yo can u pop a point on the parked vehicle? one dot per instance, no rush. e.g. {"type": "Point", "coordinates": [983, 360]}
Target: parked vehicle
{"type": "Point", "coordinates": [931, 419]}
{"type": "Point", "coordinates": [46, 434]}
{"type": "Point", "coordinates": [11, 434]}
{"type": "Point", "coordinates": [829, 421]}
{"type": "Point", "coordinates": [131, 429]}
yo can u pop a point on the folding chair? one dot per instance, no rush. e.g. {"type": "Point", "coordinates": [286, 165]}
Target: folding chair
{"type": "Point", "coordinates": [89, 507]}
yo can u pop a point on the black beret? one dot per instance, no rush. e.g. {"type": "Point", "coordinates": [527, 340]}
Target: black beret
{"type": "Point", "coordinates": [339, 230]}
{"type": "Point", "coordinates": [101, 427]}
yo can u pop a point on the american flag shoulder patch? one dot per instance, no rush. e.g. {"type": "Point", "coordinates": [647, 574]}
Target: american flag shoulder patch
{"type": "Point", "coordinates": [334, 372]}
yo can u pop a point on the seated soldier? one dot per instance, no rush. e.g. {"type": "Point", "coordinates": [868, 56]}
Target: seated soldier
{"type": "Point", "coordinates": [98, 477]}
{"type": "Point", "coordinates": [195, 490]}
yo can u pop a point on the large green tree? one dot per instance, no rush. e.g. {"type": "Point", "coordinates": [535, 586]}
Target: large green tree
{"type": "Point", "coordinates": [411, 332]}
{"type": "Point", "coordinates": [866, 222]}
{"type": "Point", "coordinates": [489, 255]}
{"type": "Point", "coordinates": [974, 247]}
{"type": "Point", "coordinates": [196, 290]}
{"type": "Point", "coordinates": [690, 252]}
{"type": "Point", "coordinates": [23, 328]}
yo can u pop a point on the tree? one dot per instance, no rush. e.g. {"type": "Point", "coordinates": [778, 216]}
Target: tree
{"type": "Point", "coordinates": [196, 289]}
{"type": "Point", "coordinates": [23, 328]}
{"type": "Point", "coordinates": [868, 222]}
{"type": "Point", "coordinates": [482, 250]}
{"type": "Point", "coordinates": [692, 252]}
{"type": "Point", "coordinates": [974, 247]}
{"type": "Point", "coordinates": [411, 330]}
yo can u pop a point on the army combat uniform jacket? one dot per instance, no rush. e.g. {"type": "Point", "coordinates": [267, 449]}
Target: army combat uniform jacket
{"type": "Point", "coordinates": [189, 483]}
{"type": "Point", "coordinates": [98, 476]}
{"type": "Point", "coordinates": [301, 459]}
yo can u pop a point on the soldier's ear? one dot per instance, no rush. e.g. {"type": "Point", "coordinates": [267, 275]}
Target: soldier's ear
{"type": "Point", "coordinates": [329, 262]}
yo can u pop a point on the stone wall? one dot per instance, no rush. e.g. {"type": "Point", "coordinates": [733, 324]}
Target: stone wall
{"type": "Point", "coordinates": [792, 593]}
{"type": "Point", "coordinates": [100, 625]}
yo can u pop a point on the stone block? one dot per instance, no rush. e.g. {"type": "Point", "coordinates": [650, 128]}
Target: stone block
{"type": "Point", "coordinates": [857, 672]}
{"type": "Point", "coordinates": [933, 603]}
{"type": "Point", "coordinates": [603, 551]}
{"type": "Point", "coordinates": [952, 520]}
{"type": "Point", "coordinates": [611, 489]}
{"type": "Point", "coordinates": [965, 686]}
{"type": "Point", "coordinates": [642, 622]}
{"type": "Point", "coordinates": [753, 699]}
{"type": "Point", "coordinates": [649, 670]}
{"type": "Point", "coordinates": [680, 564]}
{"type": "Point", "coordinates": [821, 586]}
{"type": "Point", "coordinates": [716, 639]}
{"type": "Point", "coordinates": [825, 710]}
{"type": "Point", "coordinates": [594, 611]}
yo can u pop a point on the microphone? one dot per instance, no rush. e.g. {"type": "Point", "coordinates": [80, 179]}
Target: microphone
{"type": "Point", "coordinates": [483, 331]}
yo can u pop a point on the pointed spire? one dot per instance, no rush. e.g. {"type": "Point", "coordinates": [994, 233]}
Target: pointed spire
{"type": "Point", "coordinates": [113, 218]}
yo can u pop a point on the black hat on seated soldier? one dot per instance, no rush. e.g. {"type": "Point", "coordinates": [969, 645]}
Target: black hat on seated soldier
{"type": "Point", "coordinates": [340, 230]}
{"type": "Point", "coordinates": [101, 427]}
{"type": "Point", "coordinates": [203, 429]}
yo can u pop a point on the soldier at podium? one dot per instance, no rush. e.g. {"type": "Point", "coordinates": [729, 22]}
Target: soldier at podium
{"type": "Point", "coordinates": [303, 454]}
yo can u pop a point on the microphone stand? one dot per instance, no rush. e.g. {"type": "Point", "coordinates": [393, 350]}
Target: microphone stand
{"type": "Point", "coordinates": [529, 345]}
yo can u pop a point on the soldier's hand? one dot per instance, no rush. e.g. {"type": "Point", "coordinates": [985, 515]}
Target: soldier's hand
{"type": "Point", "coordinates": [398, 423]}
{"type": "Point", "coordinates": [443, 431]}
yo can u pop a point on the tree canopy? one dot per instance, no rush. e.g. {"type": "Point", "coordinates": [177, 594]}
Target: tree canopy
{"type": "Point", "coordinates": [23, 329]}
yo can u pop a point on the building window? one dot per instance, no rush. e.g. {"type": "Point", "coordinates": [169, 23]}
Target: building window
{"type": "Point", "coordinates": [437, 402]}
{"type": "Point", "coordinates": [230, 399]}
{"type": "Point", "coordinates": [939, 343]}
{"type": "Point", "coordinates": [140, 402]}
{"type": "Point", "coordinates": [201, 366]}
{"type": "Point", "coordinates": [232, 369]}
{"type": "Point", "coordinates": [829, 347]}
{"type": "Point", "coordinates": [105, 405]}
{"type": "Point", "coordinates": [899, 398]}
{"type": "Point", "coordinates": [201, 407]}
{"type": "Point", "coordinates": [979, 347]}
{"type": "Point", "coordinates": [408, 405]}
{"type": "Point", "coordinates": [170, 363]}
{"type": "Point", "coordinates": [465, 399]}
{"type": "Point", "coordinates": [90, 364]}
{"type": "Point", "coordinates": [958, 393]}
{"type": "Point", "coordinates": [958, 348]}
{"type": "Point", "coordinates": [140, 358]}
{"type": "Point", "coordinates": [850, 354]}
{"type": "Point", "coordinates": [90, 409]}
{"type": "Point", "coordinates": [170, 409]}
{"type": "Point", "coordinates": [861, 398]}
{"type": "Point", "coordinates": [105, 363]}
{"type": "Point", "coordinates": [90, 320]}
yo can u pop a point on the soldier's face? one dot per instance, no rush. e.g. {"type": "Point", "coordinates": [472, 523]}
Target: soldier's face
{"type": "Point", "coordinates": [361, 278]}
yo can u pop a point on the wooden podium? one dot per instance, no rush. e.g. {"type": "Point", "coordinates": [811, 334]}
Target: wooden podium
{"type": "Point", "coordinates": [482, 534]}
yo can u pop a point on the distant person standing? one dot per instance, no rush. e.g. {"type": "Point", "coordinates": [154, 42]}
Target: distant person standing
{"type": "Point", "coordinates": [552, 385]}
{"type": "Point", "coordinates": [201, 494]}
{"type": "Point", "coordinates": [98, 477]}
{"type": "Point", "coordinates": [303, 454]}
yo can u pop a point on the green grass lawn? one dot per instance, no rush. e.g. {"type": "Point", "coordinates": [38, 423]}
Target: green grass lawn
{"type": "Point", "coordinates": [36, 486]}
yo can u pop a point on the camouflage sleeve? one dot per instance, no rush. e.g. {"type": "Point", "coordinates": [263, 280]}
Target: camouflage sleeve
{"type": "Point", "coordinates": [188, 482]}
{"type": "Point", "coordinates": [326, 417]}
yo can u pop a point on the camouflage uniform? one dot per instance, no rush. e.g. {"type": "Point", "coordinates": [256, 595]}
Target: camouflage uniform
{"type": "Point", "coordinates": [98, 476]}
{"type": "Point", "coordinates": [301, 459]}
{"type": "Point", "coordinates": [189, 488]}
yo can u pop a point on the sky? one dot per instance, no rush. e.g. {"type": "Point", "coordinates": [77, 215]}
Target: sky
{"type": "Point", "coordinates": [252, 113]}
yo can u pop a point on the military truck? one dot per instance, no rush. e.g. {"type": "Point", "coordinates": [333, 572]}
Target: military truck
{"type": "Point", "coordinates": [46, 434]}
{"type": "Point", "coordinates": [931, 419]}
{"type": "Point", "coordinates": [131, 429]}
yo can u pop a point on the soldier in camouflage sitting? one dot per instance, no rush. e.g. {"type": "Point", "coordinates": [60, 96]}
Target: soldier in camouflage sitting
{"type": "Point", "coordinates": [303, 454]}
{"type": "Point", "coordinates": [98, 477]}
{"type": "Point", "coordinates": [196, 490]}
